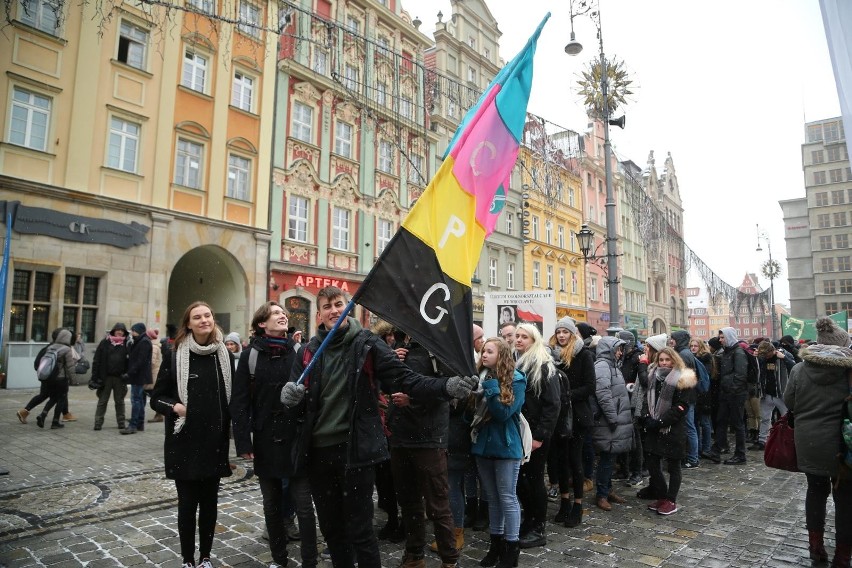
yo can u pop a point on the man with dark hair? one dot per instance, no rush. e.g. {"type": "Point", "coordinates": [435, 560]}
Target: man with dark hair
{"type": "Point", "coordinates": [341, 436]}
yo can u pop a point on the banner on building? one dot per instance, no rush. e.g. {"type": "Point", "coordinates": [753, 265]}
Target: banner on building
{"type": "Point", "coordinates": [799, 328]}
{"type": "Point", "coordinates": [535, 307]}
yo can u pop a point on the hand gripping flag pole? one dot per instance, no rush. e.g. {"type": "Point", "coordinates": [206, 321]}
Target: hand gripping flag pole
{"type": "Point", "coordinates": [422, 281]}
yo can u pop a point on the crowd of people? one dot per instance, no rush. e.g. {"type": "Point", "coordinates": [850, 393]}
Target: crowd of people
{"type": "Point", "coordinates": [559, 419]}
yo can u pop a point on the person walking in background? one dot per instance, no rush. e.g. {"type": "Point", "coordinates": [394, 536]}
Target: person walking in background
{"type": "Point", "coordinates": [816, 394]}
{"type": "Point", "coordinates": [137, 376]}
{"type": "Point", "coordinates": [108, 366]}
{"type": "Point", "coordinates": [498, 448]}
{"type": "Point", "coordinates": [259, 417]}
{"type": "Point", "coordinates": [665, 408]}
{"type": "Point", "coordinates": [612, 433]}
{"type": "Point", "coordinates": [542, 403]}
{"type": "Point", "coordinates": [43, 391]}
{"type": "Point", "coordinates": [63, 374]}
{"type": "Point", "coordinates": [193, 392]}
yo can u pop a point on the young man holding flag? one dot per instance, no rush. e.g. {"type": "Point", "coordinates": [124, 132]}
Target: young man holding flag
{"type": "Point", "coordinates": [341, 437]}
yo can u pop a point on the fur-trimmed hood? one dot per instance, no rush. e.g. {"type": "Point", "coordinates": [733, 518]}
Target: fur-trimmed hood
{"type": "Point", "coordinates": [687, 379]}
{"type": "Point", "coordinates": [827, 355]}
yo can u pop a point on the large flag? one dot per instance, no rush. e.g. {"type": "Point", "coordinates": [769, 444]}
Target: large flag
{"type": "Point", "coordinates": [421, 282]}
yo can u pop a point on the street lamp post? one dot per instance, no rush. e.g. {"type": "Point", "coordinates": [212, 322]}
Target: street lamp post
{"type": "Point", "coordinates": [573, 48]}
{"type": "Point", "coordinates": [770, 269]}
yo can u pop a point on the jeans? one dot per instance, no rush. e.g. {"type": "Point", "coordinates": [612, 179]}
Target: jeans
{"type": "Point", "coordinates": [657, 482]}
{"type": "Point", "coordinates": [201, 496]}
{"type": "Point", "coordinates": [531, 490]}
{"type": "Point", "coordinates": [604, 474]}
{"type": "Point", "coordinates": [137, 406]}
{"type": "Point", "coordinates": [768, 403]}
{"type": "Point", "coordinates": [691, 436]}
{"type": "Point", "coordinates": [499, 479]}
{"type": "Point", "coordinates": [730, 412]}
{"type": "Point", "coordinates": [344, 500]}
{"type": "Point", "coordinates": [818, 491]}
{"type": "Point", "coordinates": [705, 431]}
{"type": "Point", "coordinates": [420, 478]}
{"type": "Point", "coordinates": [300, 497]}
{"type": "Point", "coordinates": [455, 479]}
{"type": "Point", "coordinates": [273, 489]}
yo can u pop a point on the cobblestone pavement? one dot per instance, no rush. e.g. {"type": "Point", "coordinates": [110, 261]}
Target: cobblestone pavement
{"type": "Point", "coordinates": [76, 497]}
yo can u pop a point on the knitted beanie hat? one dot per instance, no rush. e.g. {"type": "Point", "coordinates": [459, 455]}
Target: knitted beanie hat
{"type": "Point", "coordinates": [139, 328]}
{"type": "Point", "coordinates": [829, 333]}
{"type": "Point", "coordinates": [658, 342]}
{"type": "Point", "coordinates": [567, 323]}
{"type": "Point", "coordinates": [233, 337]}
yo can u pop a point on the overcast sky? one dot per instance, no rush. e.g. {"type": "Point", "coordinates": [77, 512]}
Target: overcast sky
{"type": "Point", "coordinates": [726, 87]}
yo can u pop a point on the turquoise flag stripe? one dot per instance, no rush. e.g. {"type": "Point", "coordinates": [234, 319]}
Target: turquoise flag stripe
{"type": "Point", "coordinates": [513, 110]}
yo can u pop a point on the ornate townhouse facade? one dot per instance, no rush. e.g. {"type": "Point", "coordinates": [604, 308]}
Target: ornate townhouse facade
{"type": "Point", "coordinates": [134, 162]}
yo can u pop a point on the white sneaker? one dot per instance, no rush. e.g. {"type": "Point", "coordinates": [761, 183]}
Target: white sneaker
{"type": "Point", "coordinates": [205, 564]}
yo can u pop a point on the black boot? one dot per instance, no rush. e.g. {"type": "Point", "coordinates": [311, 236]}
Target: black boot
{"type": "Point", "coordinates": [510, 556]}
{"type": "Point", "coordinates": [495, 551]}
{"type": "Point", "coordinates": [575, 517]}
{"type": "Point", "coordinates": [469, 512]}
{"type": "Point", "coordinates": [564, 510]}
{"type": "Point", "coordinates": [534, 538]}
{"type": "Point", "coordinates": [481, 522]}
{"type": "Point", "coordinates": [40, 420]}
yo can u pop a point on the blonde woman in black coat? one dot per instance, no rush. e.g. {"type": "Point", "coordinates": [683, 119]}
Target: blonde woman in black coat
{"type": "Point", "coordinates": [193, 391]}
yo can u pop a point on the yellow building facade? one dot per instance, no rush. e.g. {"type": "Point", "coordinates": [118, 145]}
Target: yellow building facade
{"type": "Point", "coordinates": [135, 160]}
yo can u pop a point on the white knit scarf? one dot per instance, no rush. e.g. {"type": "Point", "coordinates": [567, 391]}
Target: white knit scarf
{"type": "Point", "coordinates": [217, 346]}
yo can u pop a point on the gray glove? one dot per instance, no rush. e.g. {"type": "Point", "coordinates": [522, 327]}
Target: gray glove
{"type": "Point", "coordinates": [292, 394]}
{"type": "Point", "coordinates": [460, 387]}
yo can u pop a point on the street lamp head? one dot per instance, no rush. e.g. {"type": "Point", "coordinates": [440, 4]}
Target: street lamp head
{"type": "Point", "coordinates": [574, 47]}
{"type": "Point", "coordinates": [759, 248]}
{"type": "Point", "coordinates": [585, 236]}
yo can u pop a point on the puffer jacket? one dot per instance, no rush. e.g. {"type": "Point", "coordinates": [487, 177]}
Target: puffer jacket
{"type": "Point", "coordinates": [499, 436]}
{"type": "Point", "coordinates": [612, 429]}
{"type": "Point", "coordinates": [669, 441]}
{"type": "Point", "coordinates": [65, 359]}
{"type": "Point", "coordinates": [815, 394]}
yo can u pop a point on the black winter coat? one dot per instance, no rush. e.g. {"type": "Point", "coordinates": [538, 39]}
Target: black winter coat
{"type": "Point", "coordinates": [260, 419]}
{"type": "Point", "coordinates": [704, 400]}
{"type": "Point", "coordinates": [371, 366]}
{"type": "Point", "coordinates": [581, 375]}
{"type": "Point", "coordinates": [139, 362]}
{"type": "Point", "coordinates": [542, 410]}
{"type": "Point", "coordinates": [423, 423]}
{"type": "Point", "coordinates": [200, 449]}
{"type": "Point", "coordinates": [109, 360]}
{"type": "Point", "coordinates": [733, 373]}
{"type": "Point", "coordinates": [458, 436]}
{"type": "Point", "coordinates": [671, 444]}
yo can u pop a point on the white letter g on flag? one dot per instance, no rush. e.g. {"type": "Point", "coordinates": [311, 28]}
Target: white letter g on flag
{"type": "Point", "coordinates": [441, 311]}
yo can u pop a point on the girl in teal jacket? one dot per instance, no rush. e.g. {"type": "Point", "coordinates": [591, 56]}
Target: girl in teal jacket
{"type": "Point", "coordinates": [498, 448]}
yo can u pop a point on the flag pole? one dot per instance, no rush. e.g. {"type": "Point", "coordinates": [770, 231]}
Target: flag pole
{"type": "Point", "coordinates": [328, 337]}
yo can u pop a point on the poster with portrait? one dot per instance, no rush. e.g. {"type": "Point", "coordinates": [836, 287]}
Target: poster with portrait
{"type": "Point", "coordinates": [535, 307]}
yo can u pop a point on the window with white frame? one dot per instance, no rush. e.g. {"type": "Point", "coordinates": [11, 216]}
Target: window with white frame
{"type": "Point", "coordinates": [536, 274]}
{"type": "Point", "coordinates": [492, 271]}
{"type": "Point", "coordinates": [405, 107]}
{"type": "Point", "coordinates": [535, 228]}
{"type": "Point", "coordinates": [384, 233]}
{"type": "Point", "coordinates": [381, 93]}
{"type": "Point", "coordinates": [242, 93]}
{"type": "Point", "coordinates": [249, 19]}
{"type": "Point", "coordinates": [561, 279]}
{"type": "Point", "coordinates": [352, 24]}
{"type": "Point", "coordinates": [340, 228]}
{"type": "Point", "coordinates": [302, 122]}
{"type": "Point", "coordinates": [510, 227]}
{"type": "Point", "coordinates": [574, 283]}
{"type": "Point", "coordinates": [416, 173]}
{"type": "Point", "coordinates": [343, 139]}
{"type": "Point", "coordinates": [606, 294]}
{"type": "Point", "coordinates": [560, 236]}
{"type": "Point", "coordinates": [41, 14]}
{"type": "Point", "coordinates": [548, 232]}
{"type": "Point", "coordinates": [194, 75]}
{"type": "Point", "coordinates": [385, 156]}
{"type": "Point", "coordinates": [132, 45]}
{"type": "Point", "coordinates": [30, 119]}
{"type": "Point", "coordinates": [471, 74]}
{"type": "Point", "coordinates": [320, 61]}
{"type": "Point", "coordinates": [510, 276]}
{"type": "Point", "coordinates": [350, 77]}
{"type": "Point", "coordinates": [188, 163]}
{"type": "Point", "coordinates": [572, 241]}
{"type": "Point", "coordinates": [593, 288]}
{"type": "Point", "coordinates": [297, 219]}
{"type": "Point", "coordinates": [571, 196]}
{"type": "Point", "coordinates": [123, 152]}
{"type": "Point", "coordinates": [239, 178]}
{"type": "Point", "coordinates": [549, 277]}
{"type": "Point", "coordinates": [203, 6]}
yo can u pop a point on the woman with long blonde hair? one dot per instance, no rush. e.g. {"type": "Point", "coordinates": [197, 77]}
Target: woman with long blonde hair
{"type": "Point", "coordinates": [541, 409]}
{"type": "Point", "coordinates": [498, 447]}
